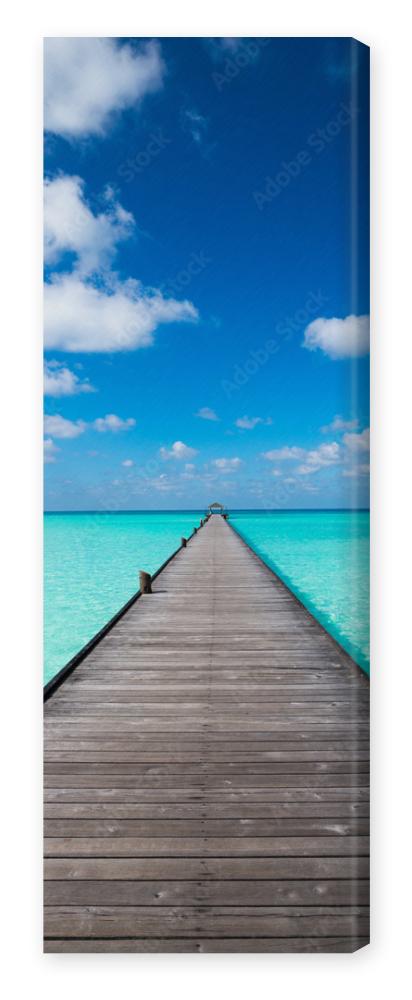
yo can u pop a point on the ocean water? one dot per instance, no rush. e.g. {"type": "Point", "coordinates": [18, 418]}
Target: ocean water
{"type": "Point", "coordinates": [323, 556]}
{"type": "Point", "coordinates": [92, 563]}
{"type": "Point", "coordinates": [91, 568]}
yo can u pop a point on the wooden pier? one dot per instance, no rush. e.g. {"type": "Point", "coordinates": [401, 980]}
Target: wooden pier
{"type": "Point", "coordinates": [206, 772]}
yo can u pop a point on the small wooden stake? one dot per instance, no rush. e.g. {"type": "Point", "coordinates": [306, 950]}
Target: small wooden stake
{"type": "Point", "coordinates": [184, 543]}
{"type": "Point", "coordinates": [145, 581]}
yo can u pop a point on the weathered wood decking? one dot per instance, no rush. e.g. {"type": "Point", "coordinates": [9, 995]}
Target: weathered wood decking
{"type": "Point", "coordinates": [206, 772]}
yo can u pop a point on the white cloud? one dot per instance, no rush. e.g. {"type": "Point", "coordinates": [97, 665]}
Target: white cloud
{"type": "Point", "coordinates": [161, 483]}
{"type": "Point", "coordinates": [194, 123]}
{"type": "Point", "coordinates": [351, 453]}
{"type": "Point", "coordinates": [87, 80]}
{"type": "Point", "coordinates": [71, 227]}
{"type": "Point", "coordinates": [59, 427]}
{"type": "Point", "coordinates": [248, 423]}
{"type": "Point", "coordinates": [357, 470]}
{"type": "Point", "coordinates": [206, 413]}
{"type": "Point", "coordinates": [318, 458]}
{"type": "Point", "coordinates": [90, 309]}
{"type": "Point", "coordinates": [178, 450]}
{"type": "Point", "coordinates": [285, 454]}
{"type": "Point", "coordinates": [227, 464]}
{"type": "Point", "coordinates": [61, 381]}
{"type": "Point", "coordinates": [313, 459]}
{"type": "Point", "coordinates": [357, 454]}
{"type": "Point", "coordinates": [338, 338]}
{"type": "Point", "coordinates": [120, 316]}
{"type": "Point", "coordinates": [338, 425]}
{"type": "Point", "coordinates": [50, 449]}
{"type": "Point", "coordinates": [357, 442]}
{"type": "Point", "coordinates": [113, 423]}
{"type": "Point", "coordinates": [128, 462]}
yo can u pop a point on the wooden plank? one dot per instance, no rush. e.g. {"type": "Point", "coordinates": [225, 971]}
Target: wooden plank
{"type": "Point", "coordinates": [260, 921]}
{"type": "Point", "coordinates": [195, 795]}
{"type": "Point", "coordinates": [187, 847]}
{"type": "Point", "coordinates": [206, 772]}
{"type": "Point", "coordinates": [207, 945]}
{"type": "Point", "coordinates": [205, 827]}
{"type": "Point", "coordinates": [202, 810]}
{"type": "Point", "coordinates": [307, 892]}
{"type": "Point", "coordinates": [242, 867]}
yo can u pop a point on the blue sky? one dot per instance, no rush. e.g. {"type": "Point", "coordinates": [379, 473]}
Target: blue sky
{"type": "Point", "coordinates": [207, 286]}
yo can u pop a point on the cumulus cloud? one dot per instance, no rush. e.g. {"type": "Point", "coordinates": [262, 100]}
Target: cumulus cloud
{"type": "Point", "coordinates": [338, 338]}
{"type": "Point", "coordinates": [350, 454]}
{"type": "Point", "coordinates": [227, 464]}
{"type": "Point", "coordinates": [50, 449]}
{"type": "Point", "coordinates": [120, 316]}
{"type": "Point", "coordinates": [113, 423]}
{"type": "Point", "coordinates": [59, 427]}
{"type": "Point", "coordinates": [313, 459]}
{"type": "Point", "coordinates": [338, 425]}
{"type": "Point", "coordinates": [318, 458]}
{"type": "Point", "coordinates": [90, 309]}
{"type": "Point", "coordinates": [88, 80]}
{"type": "Point", "coordinates": [128, 462]}
{"type": "Point", "coordinates": [285, 454]}
{"type": "Point", "coordinates": [178, 450]}
{"type": "Point", "coordinates": [357, 470]}
{"type": "Point", "coordinates": [62, 381]}
{"type": "Point", "coordinates": [358, 442]}
{"type": "Point", "coordinates": [206, 413]}
{"type": "Point", "coordinates": [248, 423]}
{"type": "Point", "coordinates": [70, 226]}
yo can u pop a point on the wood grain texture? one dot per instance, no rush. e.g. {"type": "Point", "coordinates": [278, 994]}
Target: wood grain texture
{"type": "Point", "coordinates": [206, 772]}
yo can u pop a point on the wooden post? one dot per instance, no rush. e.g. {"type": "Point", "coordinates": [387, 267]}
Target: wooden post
{"type": "Point", "coordinates": [145, 582]}
{"type": "Point", "coordinates": [184, 542]}
{"type": "Point", "coordinates": [201, 522]}
{"type": "Point", "coordinates": [194, 530]}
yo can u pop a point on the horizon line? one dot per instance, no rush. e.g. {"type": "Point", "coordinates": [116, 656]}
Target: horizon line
{"type": "Point", "coordinates": [190, 510]}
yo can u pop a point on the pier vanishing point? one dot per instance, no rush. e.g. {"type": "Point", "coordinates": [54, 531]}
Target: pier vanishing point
{"type": "Point", "coordinates": [206, 771]}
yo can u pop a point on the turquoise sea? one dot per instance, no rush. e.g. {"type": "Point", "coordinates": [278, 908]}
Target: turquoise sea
{"type": "Point", "coordinates": [92, 562]}
{"type": "Point", "coordinates": [91, 568]}
{"type": "Point", "coordinates": [323, 556]}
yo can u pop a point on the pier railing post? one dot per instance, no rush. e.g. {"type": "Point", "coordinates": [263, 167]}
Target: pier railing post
{"type": "Point", "coordinates": [145, 582]}
{"type": "Point", "coordinates": [184, 542]}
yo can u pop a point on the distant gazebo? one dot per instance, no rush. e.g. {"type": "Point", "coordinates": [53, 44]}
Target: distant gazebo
{"type": "Point", "coordinates": [217, 508]}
